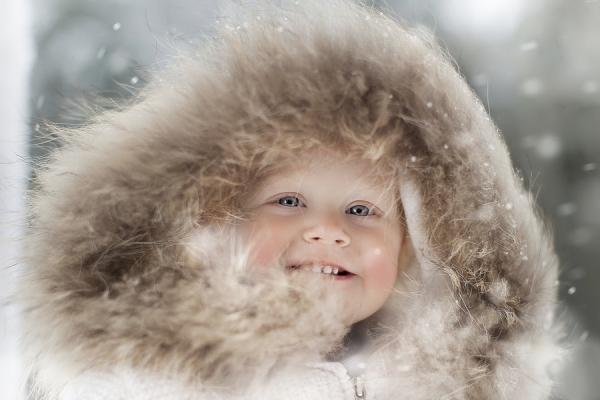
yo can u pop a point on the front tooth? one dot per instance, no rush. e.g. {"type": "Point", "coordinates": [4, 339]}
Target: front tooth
{"type": "Point", "coordinates": [327, 270]}
{"type": "Point", "coordinates": [335, 271]}
{"type": "Point", "coordinates": [316, 268]}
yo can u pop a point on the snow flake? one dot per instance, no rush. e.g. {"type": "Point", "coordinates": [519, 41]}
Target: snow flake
{"type": "Point", "coordinates": [40, 102]}
{"type": "Point", "coordinates": [576, 274]}
{"type": "Point", "coordinates": [581, 236]}
{"type": "Point", "coordinates": [532, 87]}
{"type": "Point", "coordinates": [116, 26]}
{"type": "Point", "coordinates": [566, 209]}
{"type": "Point", "coordinates": [529, 46]}
{"type": "Point", "coordinates": [481, 79]}
{"type": "Point", "coordinates": [589, 167]}
{"type": "Point", "coordinates": [590, 87]}
{"type": "Point", "coordinates": [548, 146]}
{"type": "Point", "coordinates": [101, 52]}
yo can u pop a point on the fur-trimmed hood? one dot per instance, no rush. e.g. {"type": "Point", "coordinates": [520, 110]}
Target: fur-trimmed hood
{"type": "Point", "coordinates": [111, 281]}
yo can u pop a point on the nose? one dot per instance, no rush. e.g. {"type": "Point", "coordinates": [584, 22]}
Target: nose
{"type": "Point", "coordinates": [326, 231]}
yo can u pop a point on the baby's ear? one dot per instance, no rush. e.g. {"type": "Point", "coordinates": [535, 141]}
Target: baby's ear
{"type": "Point", "coordinates": [407, 253]}
{"type": "Point", "coordinates": [409, 272]}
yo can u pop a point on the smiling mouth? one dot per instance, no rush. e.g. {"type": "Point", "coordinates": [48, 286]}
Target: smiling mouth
{"type": "Point", "coordinates": [330, 270]}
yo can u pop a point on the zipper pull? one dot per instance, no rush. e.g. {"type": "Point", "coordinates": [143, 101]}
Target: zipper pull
{"type": "Point", "coordinates": [359, 387]}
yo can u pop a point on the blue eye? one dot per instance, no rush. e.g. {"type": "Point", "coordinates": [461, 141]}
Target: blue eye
{"type": "Point", "coordinates": [289, 201]}
{"type": "Point", "coordinates": [360, 210]}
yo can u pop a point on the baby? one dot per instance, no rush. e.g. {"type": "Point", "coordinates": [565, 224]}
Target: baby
{"type": "Point", "coordinates": [334, 217]}
{"type": "Point", "coordinates": [373, 239]}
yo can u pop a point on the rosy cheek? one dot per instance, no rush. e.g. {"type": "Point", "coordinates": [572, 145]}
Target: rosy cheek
{"type": "Point", "coordinates": [263, 242]}
{"type": "Point", "coordinates": [382, 269]}
{"type": "Point", "coordinates": [262, 255]}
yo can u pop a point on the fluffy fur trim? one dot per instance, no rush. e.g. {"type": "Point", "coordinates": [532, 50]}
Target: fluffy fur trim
{"type": "Point", "coordinates": [109, 276]}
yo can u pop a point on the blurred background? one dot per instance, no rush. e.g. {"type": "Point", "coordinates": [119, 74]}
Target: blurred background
{"type": "Point", "coordinates": [534, 63]}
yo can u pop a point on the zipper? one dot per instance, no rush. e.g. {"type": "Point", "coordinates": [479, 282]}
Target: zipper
{"type": "Point", "coordinates": [359, 387]}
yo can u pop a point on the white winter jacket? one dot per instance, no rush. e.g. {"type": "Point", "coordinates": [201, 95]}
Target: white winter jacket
{"type": "Point", "coordinates": [118, 306]}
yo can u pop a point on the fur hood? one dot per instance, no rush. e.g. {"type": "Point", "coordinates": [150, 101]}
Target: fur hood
{"type": "Point", "coordinates": [110, 277]}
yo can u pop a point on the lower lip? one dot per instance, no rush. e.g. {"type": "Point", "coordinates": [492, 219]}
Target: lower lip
{"type": "Point", "coordinates": [338, 277]}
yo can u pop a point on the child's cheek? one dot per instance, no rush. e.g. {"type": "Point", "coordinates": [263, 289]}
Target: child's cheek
{"type": "Point", "coordinates": [262, 255]}
{"type": "Point", "coordinates": [263, 241]}
{"type": "Point", "coordinates": [381, 269]}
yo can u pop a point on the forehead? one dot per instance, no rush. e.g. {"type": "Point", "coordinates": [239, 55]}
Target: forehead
{"type": "Point", "coordinates": [315, 167]}
{"type": "Point", "coordinates": [330, 171]}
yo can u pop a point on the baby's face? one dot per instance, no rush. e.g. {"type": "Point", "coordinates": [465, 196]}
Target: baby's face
{"type": "Point", "coordinates": [332, 218]}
